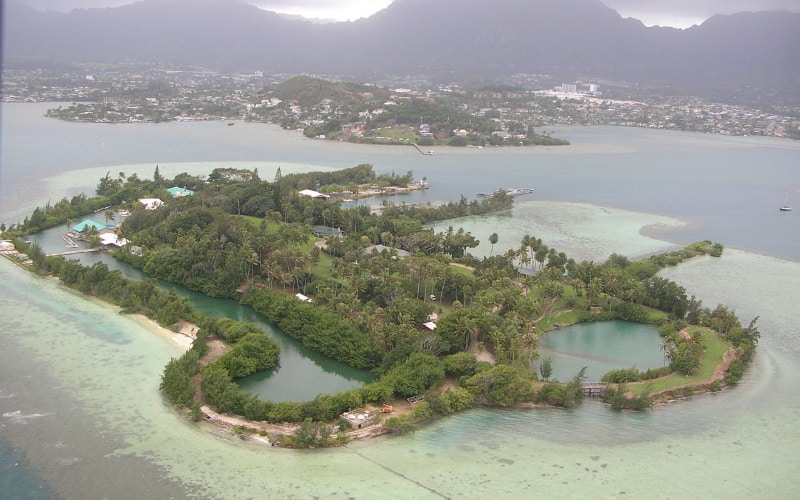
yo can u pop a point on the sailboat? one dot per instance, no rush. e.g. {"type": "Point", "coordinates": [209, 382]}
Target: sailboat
{"type": "Point", "coordinates": [785, 207]}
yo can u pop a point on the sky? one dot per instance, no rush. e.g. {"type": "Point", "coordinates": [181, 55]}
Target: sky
{"type": "Point", "coordinates": [675, 13]}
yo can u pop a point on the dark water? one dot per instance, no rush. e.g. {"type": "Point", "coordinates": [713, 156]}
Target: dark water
{"type": "Point", "coordinates": [17, 476]}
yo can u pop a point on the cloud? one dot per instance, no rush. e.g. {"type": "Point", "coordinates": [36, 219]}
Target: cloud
{"type": "Point", "coordinates": [678, 13]}
{"type": "Point", "coordinates": [323, 9]}
{"type": "Point", "coordinates": [684, 13]}
{"type": "Point", "coordinates": [344, 10]}
{"type": "Point", "coordinates": [68, 5]}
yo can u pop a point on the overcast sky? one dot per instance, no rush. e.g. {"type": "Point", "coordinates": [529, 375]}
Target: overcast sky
{"type": "Point", "coordinates": [676, 13]}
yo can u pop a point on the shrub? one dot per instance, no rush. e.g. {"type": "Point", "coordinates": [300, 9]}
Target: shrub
{"type": "Point", "coordinates": [422, 411]}
{"type": "Point", "coordinates": [415, 375]}
{"type": "Point", "coordinates": [399, 424]}
{"type": "Point", "coordinates": [502, 385]}
{"type": "Point", "coordinates": [617, 399]}
{"type": "Point", "coordinates": [460, 363]}
{"type": "Point", "coordinates": [735, 372]}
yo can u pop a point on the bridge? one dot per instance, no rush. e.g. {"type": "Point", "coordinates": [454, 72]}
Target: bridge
{"type": "Point", "coordinates": [73, 252]}
{"type": "Point", "coordinates": [594, 389]}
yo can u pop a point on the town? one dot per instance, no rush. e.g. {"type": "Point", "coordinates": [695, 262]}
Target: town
{"type": "Point", "coordinates": [509, 107]}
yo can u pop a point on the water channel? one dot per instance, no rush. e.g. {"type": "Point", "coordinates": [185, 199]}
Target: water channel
{"type": "Point", "coordinates": [302, 374]}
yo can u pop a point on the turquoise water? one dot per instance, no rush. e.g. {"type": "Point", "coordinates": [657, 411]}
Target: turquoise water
{"type": "Point", "coordinates": [82, 417]}
{"type": "Point", "coordinates": [600, 347]}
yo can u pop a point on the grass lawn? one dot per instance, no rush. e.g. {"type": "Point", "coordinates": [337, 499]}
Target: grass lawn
{"type": "Point", "coordinates": [715, 348]}
{"type": "Point", "coordinates": [322, 267]}
{"type": "Point", "coordinates": [256, 222]}
{"type": "Point", "coordinates": [563, 319]}
{"type": "Point", "coordinates": [404, 133]}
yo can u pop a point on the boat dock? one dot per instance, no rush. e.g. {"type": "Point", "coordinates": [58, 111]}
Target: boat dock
{"type": "Point", "coordinates": [70, 241]}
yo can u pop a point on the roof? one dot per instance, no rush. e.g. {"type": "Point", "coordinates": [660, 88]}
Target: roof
{"type": "Point", "coordinates": [150, 203]}
{"type": "Point", "coordinates": [177, 192]}
{"type": "Point", "coordinates": [313, 194]}
{"type": "Point", "coordinates": [112, 239]}
{"type": "Point", "coordinates": [380, 248]}
{"type": "Point", "coordinates": [325, 231]}
{"type": "Point", "coordinates": [86, 224]}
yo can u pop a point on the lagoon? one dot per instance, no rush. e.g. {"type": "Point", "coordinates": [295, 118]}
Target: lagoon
{"type": "Point", "coordinates": [81, 416]}
{"type": "Point", "coordinates": [600, 346]}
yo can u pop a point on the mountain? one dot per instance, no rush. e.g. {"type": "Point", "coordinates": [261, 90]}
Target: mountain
{"type": "Point", "coordinates": [438, 38]}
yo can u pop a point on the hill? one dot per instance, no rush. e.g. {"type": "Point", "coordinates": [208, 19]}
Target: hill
{"type": "Point", "coordinates": [444, 39]}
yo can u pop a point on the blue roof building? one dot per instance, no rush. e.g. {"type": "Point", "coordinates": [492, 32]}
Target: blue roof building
{"type": "Point", "coordinates": [177, 192]}
{"type": "Point", "coordinates": [86, 224]}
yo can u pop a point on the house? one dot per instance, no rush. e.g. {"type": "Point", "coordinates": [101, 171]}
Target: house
{"type": "Point", "coordinates": [356, 128]}
{"type": "Point", "coordinates": [313, 194]}
{"type": "Point", "coordinates": [111, 238]}
{"type": "Point", "coordinates": [87, 224]}
{"type": "Point", "coordinates": [359, 420]}
{"type": "Point", "coordinates": [302, 298]}
{"type": "Point", "coordinates": [178, 192]}
{"type": "Point", "coordinates": [325, 232]}
{"type": "Point", "coordinates": [151, 203]}
{"type": "Point", "coordinates": [400, 253]}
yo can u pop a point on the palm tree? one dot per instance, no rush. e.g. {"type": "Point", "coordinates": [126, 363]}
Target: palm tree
{"type": "Point", "coordinates": [665, 347]}
{"type": "Point", "coordinates": [493, 239]}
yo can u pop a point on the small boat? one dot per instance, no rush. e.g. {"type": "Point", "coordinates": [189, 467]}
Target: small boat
{"type": "Point", "coordinates": [231, 124]}
{"type": "Point", "coordinates": [785, 207]}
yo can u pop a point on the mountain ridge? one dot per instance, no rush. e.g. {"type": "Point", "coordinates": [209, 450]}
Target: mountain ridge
{"type": "Point", "coordinates": [441, 39]}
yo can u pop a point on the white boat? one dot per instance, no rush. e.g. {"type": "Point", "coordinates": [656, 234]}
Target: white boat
{"type": "Point", "coordinates": [785, 207]}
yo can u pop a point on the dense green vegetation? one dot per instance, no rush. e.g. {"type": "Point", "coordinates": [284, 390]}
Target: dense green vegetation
{"type": "Point", "coordinates": [360, 113]}
{"type": "Point", "coordinates": [316, 328]}
{"type": "Point", "coordinates": [242, 237]}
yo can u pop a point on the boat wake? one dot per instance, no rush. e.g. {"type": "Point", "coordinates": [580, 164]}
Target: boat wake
{"type": "Point", "coordinates": [20, 418]}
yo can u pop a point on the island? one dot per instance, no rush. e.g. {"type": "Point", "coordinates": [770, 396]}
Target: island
{"type": "Point", "coordinates": [440, 329]}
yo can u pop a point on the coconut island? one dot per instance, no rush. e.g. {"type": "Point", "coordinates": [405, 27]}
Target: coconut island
{"type": "Point", "coordinates": [439, 329]}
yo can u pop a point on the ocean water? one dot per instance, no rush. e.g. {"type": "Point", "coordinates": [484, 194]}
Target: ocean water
{"type": "Point", "coordinates": [82, 417]}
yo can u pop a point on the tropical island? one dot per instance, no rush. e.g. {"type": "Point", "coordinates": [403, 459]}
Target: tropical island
{"type": "Point", "coordinates": [331, 110]}
{"type": "Point", "coordinates": [441, 330]}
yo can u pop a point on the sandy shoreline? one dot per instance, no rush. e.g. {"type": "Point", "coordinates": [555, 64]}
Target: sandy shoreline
{"type": "Point", "coordinates": [182, 338]}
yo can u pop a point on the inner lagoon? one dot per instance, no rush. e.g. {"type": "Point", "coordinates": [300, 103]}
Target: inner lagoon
{"type": "Point", "coordinates": [600, 346]}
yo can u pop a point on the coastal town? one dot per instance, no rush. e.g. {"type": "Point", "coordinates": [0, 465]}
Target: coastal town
{"type": "Point", "coordinates": [507, 109]}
